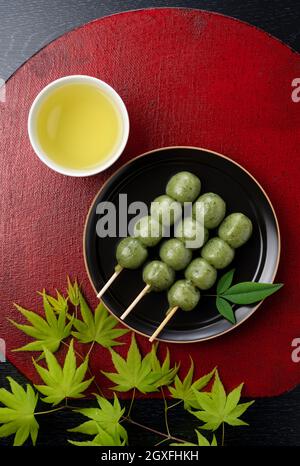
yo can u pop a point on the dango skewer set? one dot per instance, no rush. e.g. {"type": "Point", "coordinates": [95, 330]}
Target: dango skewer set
{"type": "Point", "coordinates": [175, 254]}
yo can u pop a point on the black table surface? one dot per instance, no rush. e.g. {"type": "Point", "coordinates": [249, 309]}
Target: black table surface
{"type": "Point", "coordinates": [28, 25]}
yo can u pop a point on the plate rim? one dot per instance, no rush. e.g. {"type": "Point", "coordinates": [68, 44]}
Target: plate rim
{"type": "Point", "coordinates": [164, 340]}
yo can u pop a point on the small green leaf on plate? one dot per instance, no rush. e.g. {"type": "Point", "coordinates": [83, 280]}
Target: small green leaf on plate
{"type": "Point", "coordinates": [250, 292]}
{"type": "Point", "coordinates": [225, 282]}
{"type": "Point", "coordinates": [225, 309]}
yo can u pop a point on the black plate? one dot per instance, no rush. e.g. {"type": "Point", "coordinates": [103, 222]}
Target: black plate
{"type": "Point", "coordinates": [144, 178]}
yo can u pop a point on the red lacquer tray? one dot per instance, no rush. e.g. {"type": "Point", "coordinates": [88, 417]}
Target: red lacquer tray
{"type": "Point", "coordinates": [187, 77]}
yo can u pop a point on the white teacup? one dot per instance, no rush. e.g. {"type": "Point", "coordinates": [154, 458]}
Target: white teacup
{"type": "Point", "coordinates": [118, 105]}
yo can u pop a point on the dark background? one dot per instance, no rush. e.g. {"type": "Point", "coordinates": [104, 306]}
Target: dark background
{"type": "Point", "coordinates": [28, 25]}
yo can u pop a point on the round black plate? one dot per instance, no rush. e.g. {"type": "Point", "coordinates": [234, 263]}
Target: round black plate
{"type": "Point", "coordinates": [144, 178]}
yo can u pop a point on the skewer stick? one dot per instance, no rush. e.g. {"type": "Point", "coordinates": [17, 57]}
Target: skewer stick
{"type": "Point", "coordinates": [169, 316]}
{"type": "Point", "coordinates": [134, 303]}
{"type": "Point", "coordinates": [109, 282]}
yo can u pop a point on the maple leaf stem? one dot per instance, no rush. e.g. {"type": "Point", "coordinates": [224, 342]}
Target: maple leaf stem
{"type": "Point", "coordinates": [91, 348]}
{"type": "Point", "coordinates": [92, 375]}
{"type": "Point", "coordinates": [175, 404]}
{"type": "Point", "coordinates": [154, 431]}
{"type": "Point", "coordinates": [95, 383]}
{"type": "Point", "coordinates": [165, 411]}
{"type": "Point", "coordinates": [131, 403]}
{"type": "Point", "coordinates": [223, 434]}
{"type": "Point", "coordinates": [60, 408]}
{"type": "Point", "coordinates": [75, 351]}
{"type": "Point", "coordinates": [161, 441]}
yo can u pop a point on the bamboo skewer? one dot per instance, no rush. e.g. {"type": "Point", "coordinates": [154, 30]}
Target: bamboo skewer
{"type": "Point", "coordinates": [168, 317]}
{"type": "Point", "coordinates": [134, 303]}
{"type": "Point", "coordinates": [109, 282]}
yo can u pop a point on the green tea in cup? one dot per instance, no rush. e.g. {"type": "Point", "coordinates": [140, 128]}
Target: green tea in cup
{"type": "Point", "coordinates": [78, 125]}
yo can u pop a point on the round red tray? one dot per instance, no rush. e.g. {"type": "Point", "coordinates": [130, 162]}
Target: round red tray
{"type": "Point", "coordinates": [187, 77]}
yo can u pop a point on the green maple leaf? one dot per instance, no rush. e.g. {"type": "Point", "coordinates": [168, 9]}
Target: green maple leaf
{"type": "Point", "coordinates": [165, 373]}
{"type": "Point", "coordinates": [49, 332]}
{"type": "Point", "coordinates": [185, 390]}
{"type": "Point", "coordinates": [218, 408]}
{"type": "Point", "coordinates": [62, 382]}
{"type": "Point", "coordinates": [103, 439]}
{"type": "Point", "coordinates": [73, 292]}
{"type": "Point", "coordinates": [202, 442]}
{"type": "Point", "coordinates": [17, 415]}
{"type": "Point", "coordinates": [59, 304]}
{"type": "Point", "coordinates": [98, 327]}
{"type": "Point", "coordinates": [106, 417]}
{"type": "Point", "coordinates": [134, 372]}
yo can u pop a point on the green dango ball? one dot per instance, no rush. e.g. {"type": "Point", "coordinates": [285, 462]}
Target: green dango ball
{"type": "Point", "coordinates": [148, 231]}
{"type": "Point", "coordinates": [165, 210]}
{"type": "Point", "coordinates": [130, 253]}
{"type": "Point", "coordinates": [158, 275]}
{"type": "Point", "coordinates": [192, 233]}
{"type": "Point", "coordinates": [217, 253]}
{"type": "Point", "coordinates": [184, 295]}
{"type": "Point", "coordinates": [184, 187]}
{"type": "Point", "coordinates": [175, 254]}
{"type": "Point", "coordinates": [201, 274]}
{"type": "Point", "coordinates": [236, 229]}
{"type": "Point", "coordinates": [211, 207]}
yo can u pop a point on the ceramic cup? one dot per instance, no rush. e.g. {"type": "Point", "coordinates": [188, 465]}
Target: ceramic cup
{"type": "Point", "coordinates": [119, 105]}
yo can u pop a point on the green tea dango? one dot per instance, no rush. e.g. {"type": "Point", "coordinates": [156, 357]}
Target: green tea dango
{"type": "Point", "coordinates": [130, 253]}
{"type": "Point", "coordinates": [212, 207]}
{"type": "Point", "coordinates": [183, 294]}
{"type": "Point", "coordinates": [235, 229]}
{"type": "Point", "coordinates": [158, 275]}
{"type": "Point", "coordinates": [184, 187]}
{"type": "Point", "coordinates": [148, 231]}
{"type": "Point", "coordinates": [192, 233]}
{"type": "Point", "coordinates": [175, 254]}
{"type": "Point", "coordinates": [165, 210]}
{"type": "Point", "coordinates": [217, 253]}
{"type": "Point", "coordinates": [201, 273]}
